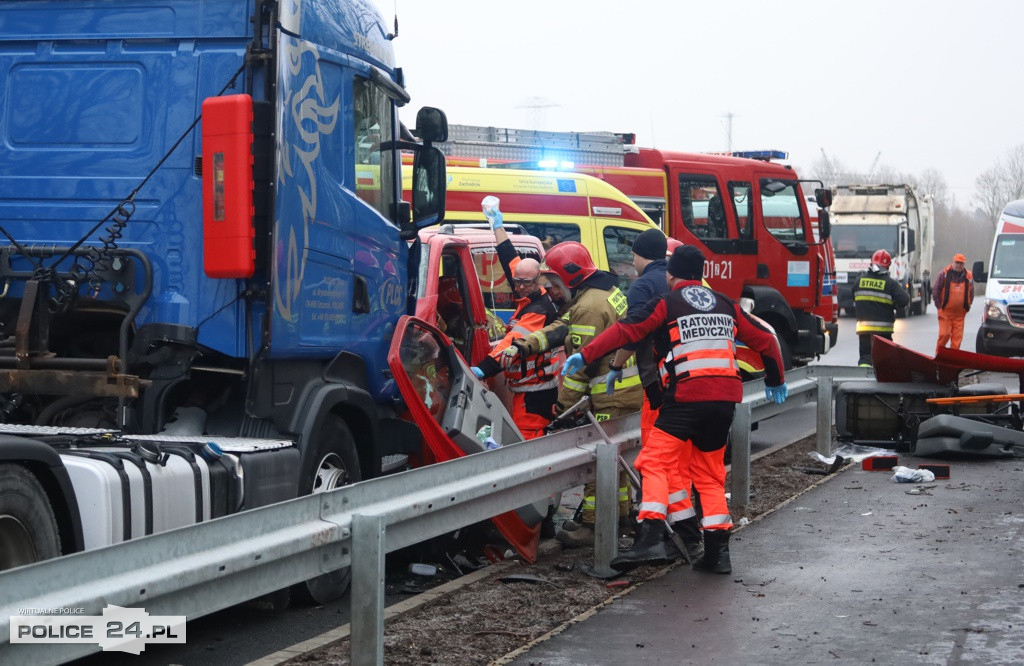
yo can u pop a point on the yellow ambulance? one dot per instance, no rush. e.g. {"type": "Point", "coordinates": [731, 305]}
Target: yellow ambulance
{"type": "Point", "coordinates": [554, 207]}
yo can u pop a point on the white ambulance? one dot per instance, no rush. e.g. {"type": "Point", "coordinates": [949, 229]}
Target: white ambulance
{"type": "Point", "coordinates": [1002, 323]}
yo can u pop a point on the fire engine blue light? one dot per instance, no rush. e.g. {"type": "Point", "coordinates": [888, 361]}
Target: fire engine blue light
{"type": "Point", "coordinates": [761, 154]}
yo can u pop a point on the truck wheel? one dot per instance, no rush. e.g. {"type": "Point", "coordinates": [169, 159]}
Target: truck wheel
{"type": "Point", "coordinates": [333, 463]}
{"type": "Point", "coordinates": [28, 530]}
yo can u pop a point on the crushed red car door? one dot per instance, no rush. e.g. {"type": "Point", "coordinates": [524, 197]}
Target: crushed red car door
{"type": "Point", "coordinates": [428, 372]}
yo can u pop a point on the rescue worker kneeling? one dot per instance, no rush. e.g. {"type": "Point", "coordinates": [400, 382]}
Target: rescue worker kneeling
{"type": "Point", "coordinates": [694, 330]}
{"type": "Point", "coordinates": [597, 303]}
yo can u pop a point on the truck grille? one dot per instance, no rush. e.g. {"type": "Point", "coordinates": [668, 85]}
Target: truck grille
{"type": "Point", "coordinates": [1016, 313]}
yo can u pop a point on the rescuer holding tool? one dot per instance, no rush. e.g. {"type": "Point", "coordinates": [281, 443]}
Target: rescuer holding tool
{"type": "Point", "coordinates": [877, 297]}
{"type": "Point", "coordinates": [650, 258]}
{"type": "Point", "coordinates": [533, 379]}
{"type": "Point", "coordinates": [693, 329]}
{"type": "Point", "coordinates": [596, 304]}
{"type": "Point", "coordinates": [953, 294]}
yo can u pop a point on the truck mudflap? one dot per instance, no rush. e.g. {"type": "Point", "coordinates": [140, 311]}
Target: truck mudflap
{"type": "Point", "coordinates": [439, 391]}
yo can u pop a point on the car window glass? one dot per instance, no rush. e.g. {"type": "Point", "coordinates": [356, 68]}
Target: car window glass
{"type": "Point", "coordinates": [427, 367]}
{"type": "Point", "coordinates": [453, 316]}
{"type": "Point", "coordinates": [780, 210]}
{"type": "Point", "coordinates": [552, 233]}
{"type": "Point", "coordinates": [739, 193]}
{"type": "Point", "coordinates": [375, 173]}
{"type": "Point", "coordinates": [618, 245]}
{"type": "Point", "coordinates": [701, 206]}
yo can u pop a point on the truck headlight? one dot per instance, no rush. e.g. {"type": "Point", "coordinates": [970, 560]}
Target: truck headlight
{"type": "Point", "coordinates": [994, 310]}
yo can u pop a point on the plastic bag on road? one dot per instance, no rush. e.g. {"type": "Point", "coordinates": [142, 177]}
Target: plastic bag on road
{"type": "Point", "coordinates": [906, 475]}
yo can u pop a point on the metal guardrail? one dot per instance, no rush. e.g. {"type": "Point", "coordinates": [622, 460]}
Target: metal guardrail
{"type": "Point", "coordinates": [197, 570]}
{"type": "Point", "coordinates": [810, 383]}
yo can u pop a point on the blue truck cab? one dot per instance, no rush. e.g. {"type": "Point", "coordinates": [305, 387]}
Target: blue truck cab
{"type": "Point", "coordinates": [186, 236]}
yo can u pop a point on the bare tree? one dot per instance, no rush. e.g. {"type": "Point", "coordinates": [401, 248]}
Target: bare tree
{"type": "Point", "coordinates": [1002, 182]}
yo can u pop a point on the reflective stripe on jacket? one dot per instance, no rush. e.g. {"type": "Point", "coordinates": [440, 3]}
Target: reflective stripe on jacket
{"type": "Point", "coordinates": [877, 297]}
{"type": "Point", "coordinates": [700, 363]}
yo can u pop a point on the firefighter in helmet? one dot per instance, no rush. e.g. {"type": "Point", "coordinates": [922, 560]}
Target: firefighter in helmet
{"type": "Point", "coordinates": [597, 303]}
{"type": "Point", "coordinates": [877, 297]}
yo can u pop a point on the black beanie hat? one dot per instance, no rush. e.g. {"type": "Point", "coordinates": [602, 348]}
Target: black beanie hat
{"type": "Point", "coordinates": [650, 244]}
{"type": "Point", "coordinates": [686, 263]}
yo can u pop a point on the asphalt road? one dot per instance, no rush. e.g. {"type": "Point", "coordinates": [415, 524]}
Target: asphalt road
{"type": "Point", "coordinates": [244, 633]}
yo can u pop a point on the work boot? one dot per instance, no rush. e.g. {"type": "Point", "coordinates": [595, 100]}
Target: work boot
{"type": "Point", "coordinates": [577, 538]}
{"type": "Point", "coordinates": [648, 547]}
{"type": "Point", "coordinates": [689, 531]}
{"type": "Point", "coordinates": [716, 553]}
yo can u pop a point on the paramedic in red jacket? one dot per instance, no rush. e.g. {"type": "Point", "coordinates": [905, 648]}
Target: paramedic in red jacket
{"type": "Point", "coordinates": [694, 330]}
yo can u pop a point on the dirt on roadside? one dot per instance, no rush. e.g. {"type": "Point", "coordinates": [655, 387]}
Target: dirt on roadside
{"type": "Point", "coordinates": [489, 619]}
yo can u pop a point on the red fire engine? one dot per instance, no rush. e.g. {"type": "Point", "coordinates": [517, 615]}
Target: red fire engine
{"type": "Point", "coordinates": [747, 213]}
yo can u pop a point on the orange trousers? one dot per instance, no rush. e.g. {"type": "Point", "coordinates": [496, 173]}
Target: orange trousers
{"type": "Point", "coordinates": [951, 329]}
{"type": "Point", "coordinates": [530, 424]}
{"type": "Point", "coordinates": [669, 465]}
{"type": "Point", "coordinates": [647, 418]}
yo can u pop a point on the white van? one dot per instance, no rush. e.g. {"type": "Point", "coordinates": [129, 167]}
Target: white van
{"type": "Point", "coordinates": [1002, 323]}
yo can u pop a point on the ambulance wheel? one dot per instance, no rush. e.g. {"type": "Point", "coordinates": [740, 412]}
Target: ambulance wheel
{"type": "Point", "coordinates": [332, 463]}
{"type": "Point", "coordinates": [28, 529]}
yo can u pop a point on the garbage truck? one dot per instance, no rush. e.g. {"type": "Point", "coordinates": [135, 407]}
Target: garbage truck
{"type": "Point", "coordinates": [895, 218]}
{"type": "Point", "coordinates": [199, 297]}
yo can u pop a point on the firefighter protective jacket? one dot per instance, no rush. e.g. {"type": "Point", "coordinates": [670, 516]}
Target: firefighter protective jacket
{"type": "Point", "coordinates": [694, 330]}
{"type": "Point", "coordinates": [597, 304]}
{"type": "Point", "coordinates": [535, 372]}
{"type": "Point", "coordinates": [877, 297]}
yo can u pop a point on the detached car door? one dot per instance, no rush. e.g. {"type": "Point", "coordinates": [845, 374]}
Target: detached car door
{"type": "Point", "coordinates": [449, 405]}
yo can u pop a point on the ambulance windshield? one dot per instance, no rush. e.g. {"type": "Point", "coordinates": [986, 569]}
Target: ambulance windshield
{"type": "Point", "coordinates": [1008, 259]}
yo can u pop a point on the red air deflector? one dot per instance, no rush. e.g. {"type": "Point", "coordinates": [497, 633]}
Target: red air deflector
{"type": "Point", "coordinates": [228, 230]}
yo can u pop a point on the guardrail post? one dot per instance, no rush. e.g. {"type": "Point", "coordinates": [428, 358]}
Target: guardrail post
{"type": "Point", "coordinates": [739, 436]}
{"type": "Point", "coordinates": [824, 422]}
{"type": "Point", "coordinates": [606, 516]}
{"type": "Point", "coordinates": [367, 592]}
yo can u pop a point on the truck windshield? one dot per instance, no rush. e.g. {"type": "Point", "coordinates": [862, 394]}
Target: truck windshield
{"type": "Point", "coordinates": [862, 240]}
{"type": "Point", "coordinates": [1008, 259]}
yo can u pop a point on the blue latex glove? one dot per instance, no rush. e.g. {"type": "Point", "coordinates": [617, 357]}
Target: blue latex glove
{"type": "Point", "coordinates": [478, 372]}
{"type": "Point", "coordinates": [495, 219]}
{"type": "Point", "coordinates": [613, 376]}
{"type": "Point", "coordinates": [777, 393]}
{"type": "Point", "coordinates": [491, 211]}
{"type": "Point", "coordinates": [573, 364]}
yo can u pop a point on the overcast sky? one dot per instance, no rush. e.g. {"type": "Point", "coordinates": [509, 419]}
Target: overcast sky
{"type": "Point", "coordinates": [935, 84]}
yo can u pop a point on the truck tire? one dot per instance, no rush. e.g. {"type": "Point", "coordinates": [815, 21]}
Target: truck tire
{"type": "Point", "coordinates": [334, 463]}
{"type": "Point", "coordinates": [28, 529]}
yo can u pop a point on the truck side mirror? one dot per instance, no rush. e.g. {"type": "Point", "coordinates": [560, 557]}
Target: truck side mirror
{"type": "Point", "coordinates": [978, 272]}
{"type": "Point", "coordinates": [431, 125]}
{"type": "Point", "coordinates": [823, 197]}
{"type": "Point", "coordinates": [428, 187]}
{"type": "Point", "coordinates": [824, 225]}
{"type": "Point", "coordinates": [911, 240]}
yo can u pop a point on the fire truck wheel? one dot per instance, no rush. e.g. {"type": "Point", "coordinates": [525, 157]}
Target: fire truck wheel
{"type": "Point", "coordinates": [28, 530]}
{"type": "Point", "coordinates": [334, 463]}
{"type": "Point", "coordinates": [787, 354]}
